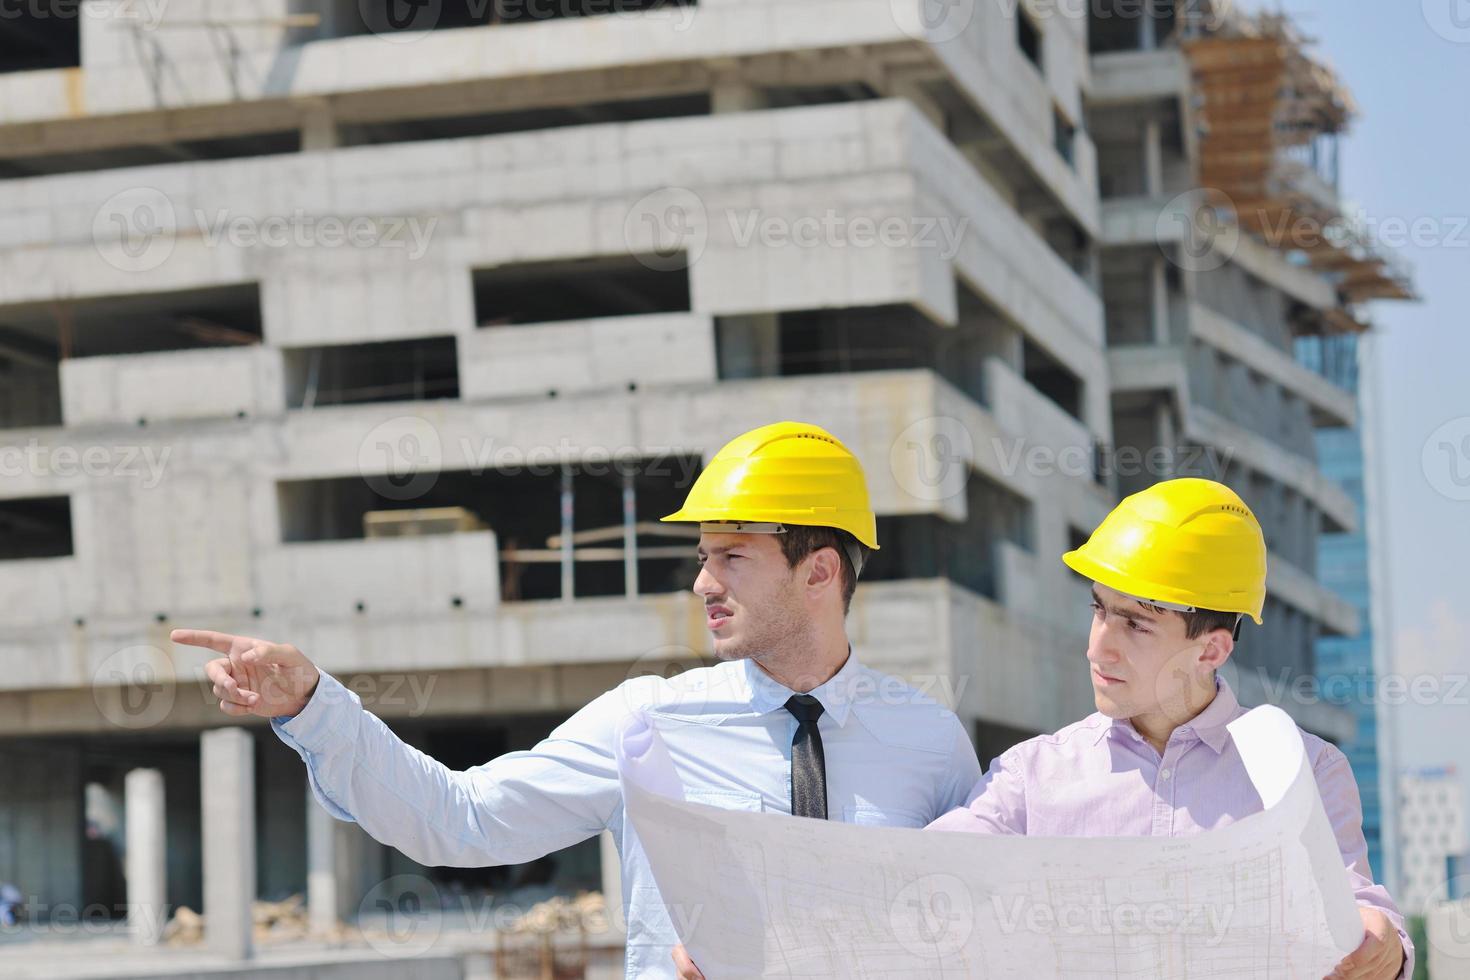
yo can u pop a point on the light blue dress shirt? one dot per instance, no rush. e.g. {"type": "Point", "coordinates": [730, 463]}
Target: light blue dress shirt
{"type": "Point", "coordinates": [894, 758]}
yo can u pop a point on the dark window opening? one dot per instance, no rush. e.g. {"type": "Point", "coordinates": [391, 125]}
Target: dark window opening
{"type": "Point", "coordinates": [1052, 378]}
{"type": "Point", "coordinates": [522, 120]}
{"type": "Point", "coordinates": [791, 96]}
{"type": "Point", "coordinates": [521, 503]}
{"type": "Point", "coordinates": [992, 739]}
{"type": "Point", "coordinates": [1130, 25]}
{"type": "Point", "coordinates": [465, 743]}
{"type": "Point", "coordinates": [1028, 37]}
{"type": "Point", "coordinates": [37, 36]}
{"type": "Point", "coordinates": [344, 18]}
{"type": "Point", "coordinates": [580, 289]}
{"type": "Point", "coordinates": [1065, 138]}
{"type": "Point", "coordinates": [35, 527]}
{"type": "Point", "coordinates": [148, 154]}
{"type": "Point", "coordinates": [852, 339]}
{"type": "Point", "coordinates": [387, 371]}
{"type": "Point", "coordinates": [36, 337]}
{"type": "Point", "coordinates": [928, 546]}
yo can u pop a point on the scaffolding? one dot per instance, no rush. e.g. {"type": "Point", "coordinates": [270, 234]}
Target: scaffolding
{"type": "Point", "coordinates": [1271, 116]}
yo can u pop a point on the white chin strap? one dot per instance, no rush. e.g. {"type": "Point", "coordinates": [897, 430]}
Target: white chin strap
{"type": "Point", "coordinates": [854, 552]}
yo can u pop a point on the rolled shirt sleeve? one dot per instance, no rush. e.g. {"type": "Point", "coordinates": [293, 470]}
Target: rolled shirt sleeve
{"type": "Point", "coordinates": [1339, 791]}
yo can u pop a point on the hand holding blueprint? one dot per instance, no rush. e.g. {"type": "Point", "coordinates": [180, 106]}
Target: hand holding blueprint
{"type": "Point", "coordinates": [768, 895]}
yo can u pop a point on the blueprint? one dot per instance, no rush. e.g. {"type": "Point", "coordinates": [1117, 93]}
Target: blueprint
{"type": "Point", "coordinates": [769, 895]}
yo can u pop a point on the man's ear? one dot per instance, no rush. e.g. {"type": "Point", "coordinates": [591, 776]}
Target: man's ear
{"type": "Point", "coordinates": [826, 568]}
{"type": "Point", "coordinates": [1219, 644]}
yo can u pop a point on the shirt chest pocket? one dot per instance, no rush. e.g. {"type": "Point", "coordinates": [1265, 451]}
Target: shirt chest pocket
{"type": "Point", "coordinates": [866, 814]}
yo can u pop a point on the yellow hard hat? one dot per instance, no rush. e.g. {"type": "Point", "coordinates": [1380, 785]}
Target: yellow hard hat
{"type": "Point", "coordinates": [783, 473]}
{"type": "Point", "coordinates": [1184, 544]}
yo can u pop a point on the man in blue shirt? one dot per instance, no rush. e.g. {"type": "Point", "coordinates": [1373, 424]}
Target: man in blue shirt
{"type": "Point", "coordinates": [789, 721]}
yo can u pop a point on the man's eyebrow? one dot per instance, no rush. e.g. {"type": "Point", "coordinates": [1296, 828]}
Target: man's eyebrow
{"type": "Point", "coordinates": [718, 549]}
{"type": "Point", "coordinates": [1124, 611]}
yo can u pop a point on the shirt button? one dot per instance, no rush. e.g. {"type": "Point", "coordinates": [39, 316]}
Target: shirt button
{"type": "Point", "coordinates": [1167, 773]}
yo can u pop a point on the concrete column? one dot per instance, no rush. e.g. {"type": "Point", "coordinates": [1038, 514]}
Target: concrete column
{"type": "Point", "coordinates": [321, 867]}
{"type": "Point", "coordinates": [912, 89]}
{"type": "Point", "coordinates": [147, 865]}
{"type": "Point", "coordinates": [612, 881]}
{"type": "Point", "coordinates": [227, 778]}
{"type": "Point", "coordinates": [1153, 158]}
{"type": "Point", "coordinates": [1159, 301]}
{"type": "Point", "coordinates": [319, 128]}
{"type": "Point", "coordinates": [1164, 429]}
{"type": "Point", "coordinates": [729, 95]}
{"type": "Point", "coordinates": [750, 346]}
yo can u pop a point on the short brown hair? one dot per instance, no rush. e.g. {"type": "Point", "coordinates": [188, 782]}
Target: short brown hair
{"type": "Point", "coordinates": [801, 540]}
{"type": "Point", "coordinates": [1201, 622]}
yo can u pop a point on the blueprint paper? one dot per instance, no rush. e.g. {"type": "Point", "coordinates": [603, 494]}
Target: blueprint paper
{"type": "Point", "coordinates": [770, 895]}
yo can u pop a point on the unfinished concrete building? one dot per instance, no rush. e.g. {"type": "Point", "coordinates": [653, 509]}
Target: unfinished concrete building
{"type": "Point", "coordinates": [1224, 244]}
{"type": "Point", "coordinates": [393, 340]}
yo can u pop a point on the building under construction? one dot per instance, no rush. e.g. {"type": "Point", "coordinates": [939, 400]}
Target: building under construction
{"type": "Point", "coordinates": [391, 334]}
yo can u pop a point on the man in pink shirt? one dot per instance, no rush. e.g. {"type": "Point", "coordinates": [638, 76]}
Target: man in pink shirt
{"type": "Point", "coordinates": [1174, 570]}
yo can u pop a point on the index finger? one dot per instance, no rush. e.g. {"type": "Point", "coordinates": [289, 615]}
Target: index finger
{"type": "Point", "coordinates": [218, 642]}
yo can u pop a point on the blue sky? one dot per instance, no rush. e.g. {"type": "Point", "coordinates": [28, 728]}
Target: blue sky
{"type": "Point", "coordinates": [1408, 156]}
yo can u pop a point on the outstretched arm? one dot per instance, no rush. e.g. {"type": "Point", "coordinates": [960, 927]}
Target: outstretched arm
{"type": "Point", "coordinates": [510, 810]}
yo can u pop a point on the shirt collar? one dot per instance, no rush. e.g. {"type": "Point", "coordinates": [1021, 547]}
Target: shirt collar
{"type": "Point", "coordinates": [767, 694]}
{"type": "Point", "coordinates": [1208, 726]}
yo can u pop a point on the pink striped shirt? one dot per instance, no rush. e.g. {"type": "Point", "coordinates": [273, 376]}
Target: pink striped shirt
{"type": "Point", "coordinates": [1100, 778]}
